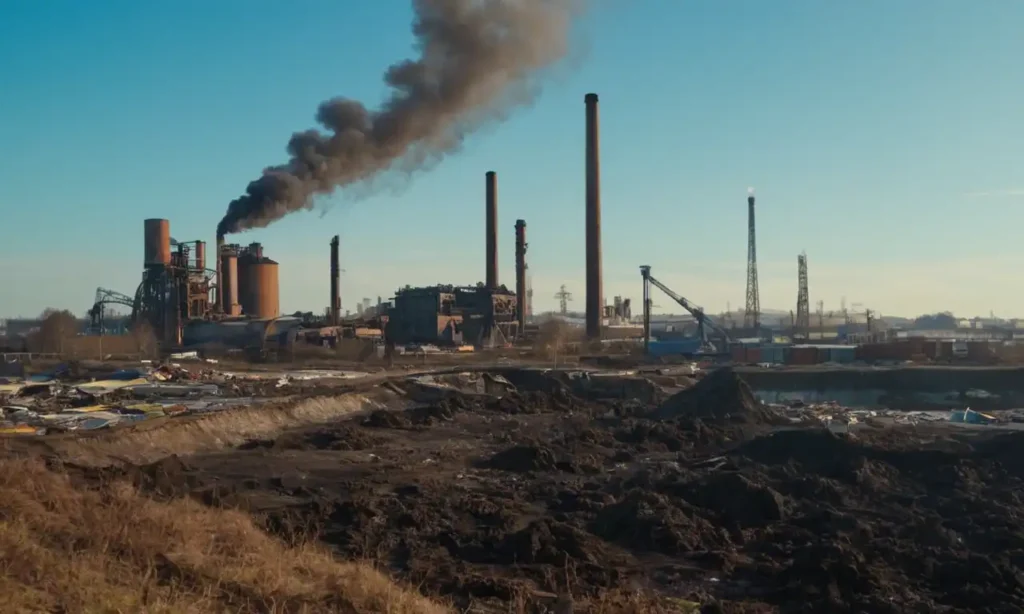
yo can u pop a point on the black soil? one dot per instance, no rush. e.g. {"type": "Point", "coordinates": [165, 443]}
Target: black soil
{"type": "Point", "coordinates": [542, 492]}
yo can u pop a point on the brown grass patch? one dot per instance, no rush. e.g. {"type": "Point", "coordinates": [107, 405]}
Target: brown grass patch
{"type": "Point", "coordinates": [70, 549]}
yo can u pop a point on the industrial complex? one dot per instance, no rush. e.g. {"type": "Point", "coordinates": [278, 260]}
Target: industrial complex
{"type": "Point", "coordinates": [233, 302]}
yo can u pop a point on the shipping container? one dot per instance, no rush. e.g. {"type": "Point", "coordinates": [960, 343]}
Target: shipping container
{"type": "Point", "coordinates": [753, 355]}
{"type": "Point", "coordinates": [803, 355]}
{"type": "Point", "coordinates": [739, 354]}
{"type": "Point", "coordinates": [674, 347]}
{"type": "Point", "coordinates": [843, 355]}
{"type": "Point", "coordinates": [897, 351]}
{"type": "Point", "coordinates": [773, 354]}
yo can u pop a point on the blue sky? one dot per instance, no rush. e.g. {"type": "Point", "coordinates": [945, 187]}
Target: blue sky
{"type": "Point", "coordinates": [882, 136]}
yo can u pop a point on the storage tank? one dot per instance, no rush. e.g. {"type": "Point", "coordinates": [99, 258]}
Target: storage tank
{"type": "Point", "coordinates": [157, 242]}
{"type": "Point", "coordinates": [229, 283]}
{"type": "Point", "coordinates": [258, 288]}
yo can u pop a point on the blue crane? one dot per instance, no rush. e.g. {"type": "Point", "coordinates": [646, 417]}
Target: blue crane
{"type": "Point", "coordinates": [704, 322]}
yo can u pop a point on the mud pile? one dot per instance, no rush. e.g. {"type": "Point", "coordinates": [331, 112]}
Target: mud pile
{"type": "Point", "coordinates": [719, 397]}
{"type": "Point", "coordinates": [490, 502]}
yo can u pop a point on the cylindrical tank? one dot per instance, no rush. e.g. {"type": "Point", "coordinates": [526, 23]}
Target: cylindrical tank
{"type": "Point", "coordinates": [258, 288]}
{"type": "Point", "coordinates": [229, 284]}
{"type": "Point", "coordinates": [157, 242]}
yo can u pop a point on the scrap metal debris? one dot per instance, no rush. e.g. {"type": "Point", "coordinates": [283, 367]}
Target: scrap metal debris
{"type": "Point", "coordinates": [71, 397]}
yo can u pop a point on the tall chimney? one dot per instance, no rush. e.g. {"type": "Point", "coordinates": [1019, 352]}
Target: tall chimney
{"type": "Point", "coordinates": [218, 299]}
{"type": "Point", "coordinates": [594, 302]}
{"type": "Point", "coordinates": [521, 274]}
{"type": "Point", "coordinates": [491, 230]}
{"type": "Point", "coordinates": [335, 282]}
{"type": "Point", "coordinates": [201, 255]}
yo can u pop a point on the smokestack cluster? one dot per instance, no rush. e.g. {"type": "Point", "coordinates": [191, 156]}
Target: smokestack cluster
{"type": "Point", "coordinates": [477, 59]}
{"type": "Point", "coordinates": [491, 230]}
{"type": "Point", "coordinates": [335, 282]}
{"type": "Point", "coordinates": [521, 274]}
{"type": "Point", "coordinates": [594, 301]}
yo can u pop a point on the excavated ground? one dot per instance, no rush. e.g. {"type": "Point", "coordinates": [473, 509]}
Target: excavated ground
{"type": "Point", "coordinates": [704, 498]}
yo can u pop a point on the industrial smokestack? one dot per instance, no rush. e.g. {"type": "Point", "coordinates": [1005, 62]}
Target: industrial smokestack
{"type": "Point", "coordinates": [335, 282]}
{"type": "Point", "coordinates": [491, 230]}
{"type": "Point", "coordinates": [219, 304]}
{"type": "Point", "coordinates": [521, 274]}
{"type": "Point", "coordinates": [201, 255]}
{"type": "Point", "coordinates": [595, 302]}
{"type": "Point", "coordinates": [476, 59]}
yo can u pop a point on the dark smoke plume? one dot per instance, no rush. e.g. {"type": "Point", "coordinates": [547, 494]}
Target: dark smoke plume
{"type": "Point", "coordinates": [476, 58]}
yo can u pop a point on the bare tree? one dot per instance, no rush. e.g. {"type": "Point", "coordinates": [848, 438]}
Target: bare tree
{"type": "Point", "coordinates": [56, 328]}
{"type": "Point", "coordinates": [145, 339]}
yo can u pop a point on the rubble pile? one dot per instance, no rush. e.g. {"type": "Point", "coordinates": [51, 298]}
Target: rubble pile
{"type": "Point", "coordinates": [481, 503]}
{"type": "Point", "coordinates": [77, 396]}
{"type": "Point", "coordinates": [721, 396]}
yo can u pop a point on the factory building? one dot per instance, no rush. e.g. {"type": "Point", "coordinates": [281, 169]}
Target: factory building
{"type": "Point", "coordinates": [175, 284]}
{"type": "Point", "coordinates": [453, 315]}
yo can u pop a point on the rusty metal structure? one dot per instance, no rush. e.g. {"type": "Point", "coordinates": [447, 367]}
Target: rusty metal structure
{"type": "Point", "coordinates": [175, 284]}
{"type": "Point", "coordinates": [594, 299]}
{"type": "Point", "coordinates": [752, 310]}
{"type": "Point", "coordinates": [156, 242]}
{"type": "Point", "coordinates": [258, 290]}
{"type": "Point", "coordinates": [491, 230]}
{"type": "Point", "coordinates": [521, 267]}
{"type": "Point", "coordinates": [335, 309]}
{"type": "Point", "coordinates": [228, 280]}
{"type": "Point", "coordinates": [449, 315]}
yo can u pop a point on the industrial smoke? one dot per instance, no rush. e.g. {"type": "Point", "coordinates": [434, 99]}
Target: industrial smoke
{"type": "Point", "coordinates": [477, 59]}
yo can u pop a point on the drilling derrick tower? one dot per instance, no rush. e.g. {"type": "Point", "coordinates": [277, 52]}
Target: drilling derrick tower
{"type": "Point", "coordinates": [752, 313]}
{"type": "Point", "coordinates": [803, 301]}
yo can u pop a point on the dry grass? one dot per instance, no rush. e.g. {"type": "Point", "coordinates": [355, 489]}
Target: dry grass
{"type": "Point", "coordinates": [556, 339]}
{"type": "Point", "coordinates": [68, 549]}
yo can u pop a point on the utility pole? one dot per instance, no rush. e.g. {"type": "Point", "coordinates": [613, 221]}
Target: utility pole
{"type": "Point", "coordinates": [563, 296]}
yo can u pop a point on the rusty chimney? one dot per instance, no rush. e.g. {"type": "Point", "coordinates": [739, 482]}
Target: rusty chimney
{"type": "Point", "coordinates": [491, 230]}
{"type": "Point", "coordinates": [521, 274]}
{"type": "Point", "coordinates": [335, 282]}
{"type": "Point", "coordinates": [201, 255]}
{"type": "Point", "coordinates": [218, 298]}
{"type": "Point", "coordinates": [594, 302]}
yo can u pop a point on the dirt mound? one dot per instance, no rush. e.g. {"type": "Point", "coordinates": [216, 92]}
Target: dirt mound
{"type": "Point", "coordinates": [809, 448]}
{"type": "Point", "coordinates": [650, 522]}
{"type": "Point", "coordinates": [341, 437]}
{"type": "Point", "coordinates": [167, 477]}
{"type": "Point", "coordinates": [488, 501]}
{"type": "Point", "coordinates": [719, 397]}
{"type": "Point", "coordinates": [738, 501]}
{"type": "Point", "coordinates": [522, 459]}
{"type": "Point", "coordinates": [384, 419]}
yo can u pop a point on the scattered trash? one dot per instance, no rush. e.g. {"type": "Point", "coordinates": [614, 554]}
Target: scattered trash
{"type": "Point", "coordinates": [969, 416]}
{"type": "Point", "coordinates": [91, 396]}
